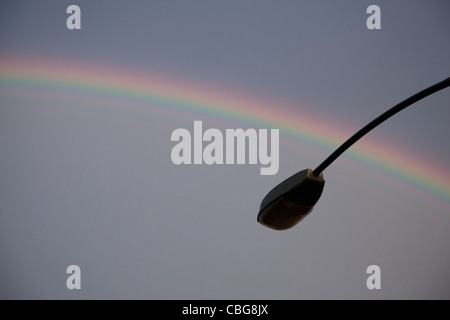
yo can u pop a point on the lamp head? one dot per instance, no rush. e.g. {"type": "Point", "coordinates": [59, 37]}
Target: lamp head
{"type": "Point", "coordinates": [292, 200]}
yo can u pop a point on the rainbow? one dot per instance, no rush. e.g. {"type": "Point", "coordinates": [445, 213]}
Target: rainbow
{"type": "Point", "coordinates": [136, 90]}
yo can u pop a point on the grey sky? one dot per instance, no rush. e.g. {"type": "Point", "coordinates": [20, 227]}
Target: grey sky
{"type": "Point", "coordinates": [98, 189]}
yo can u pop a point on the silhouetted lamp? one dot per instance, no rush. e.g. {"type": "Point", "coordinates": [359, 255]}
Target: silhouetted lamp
{"type": "Point", "coordinates": [293, 199]}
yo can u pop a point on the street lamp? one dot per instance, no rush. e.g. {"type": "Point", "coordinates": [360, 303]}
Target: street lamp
{"type": "Point", "coordinates": [293, 199]}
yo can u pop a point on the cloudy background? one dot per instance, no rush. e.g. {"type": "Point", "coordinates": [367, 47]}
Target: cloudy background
{"type": "Point", "coordinates": [87, 185]}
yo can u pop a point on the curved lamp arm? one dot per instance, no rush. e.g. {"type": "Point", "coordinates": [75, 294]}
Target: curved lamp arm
{"type": "Point", "coordinates": [399, 107]}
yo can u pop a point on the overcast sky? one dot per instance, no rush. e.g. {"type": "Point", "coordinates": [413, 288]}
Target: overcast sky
{"type": "Point", "coordinates": [85, 184]}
